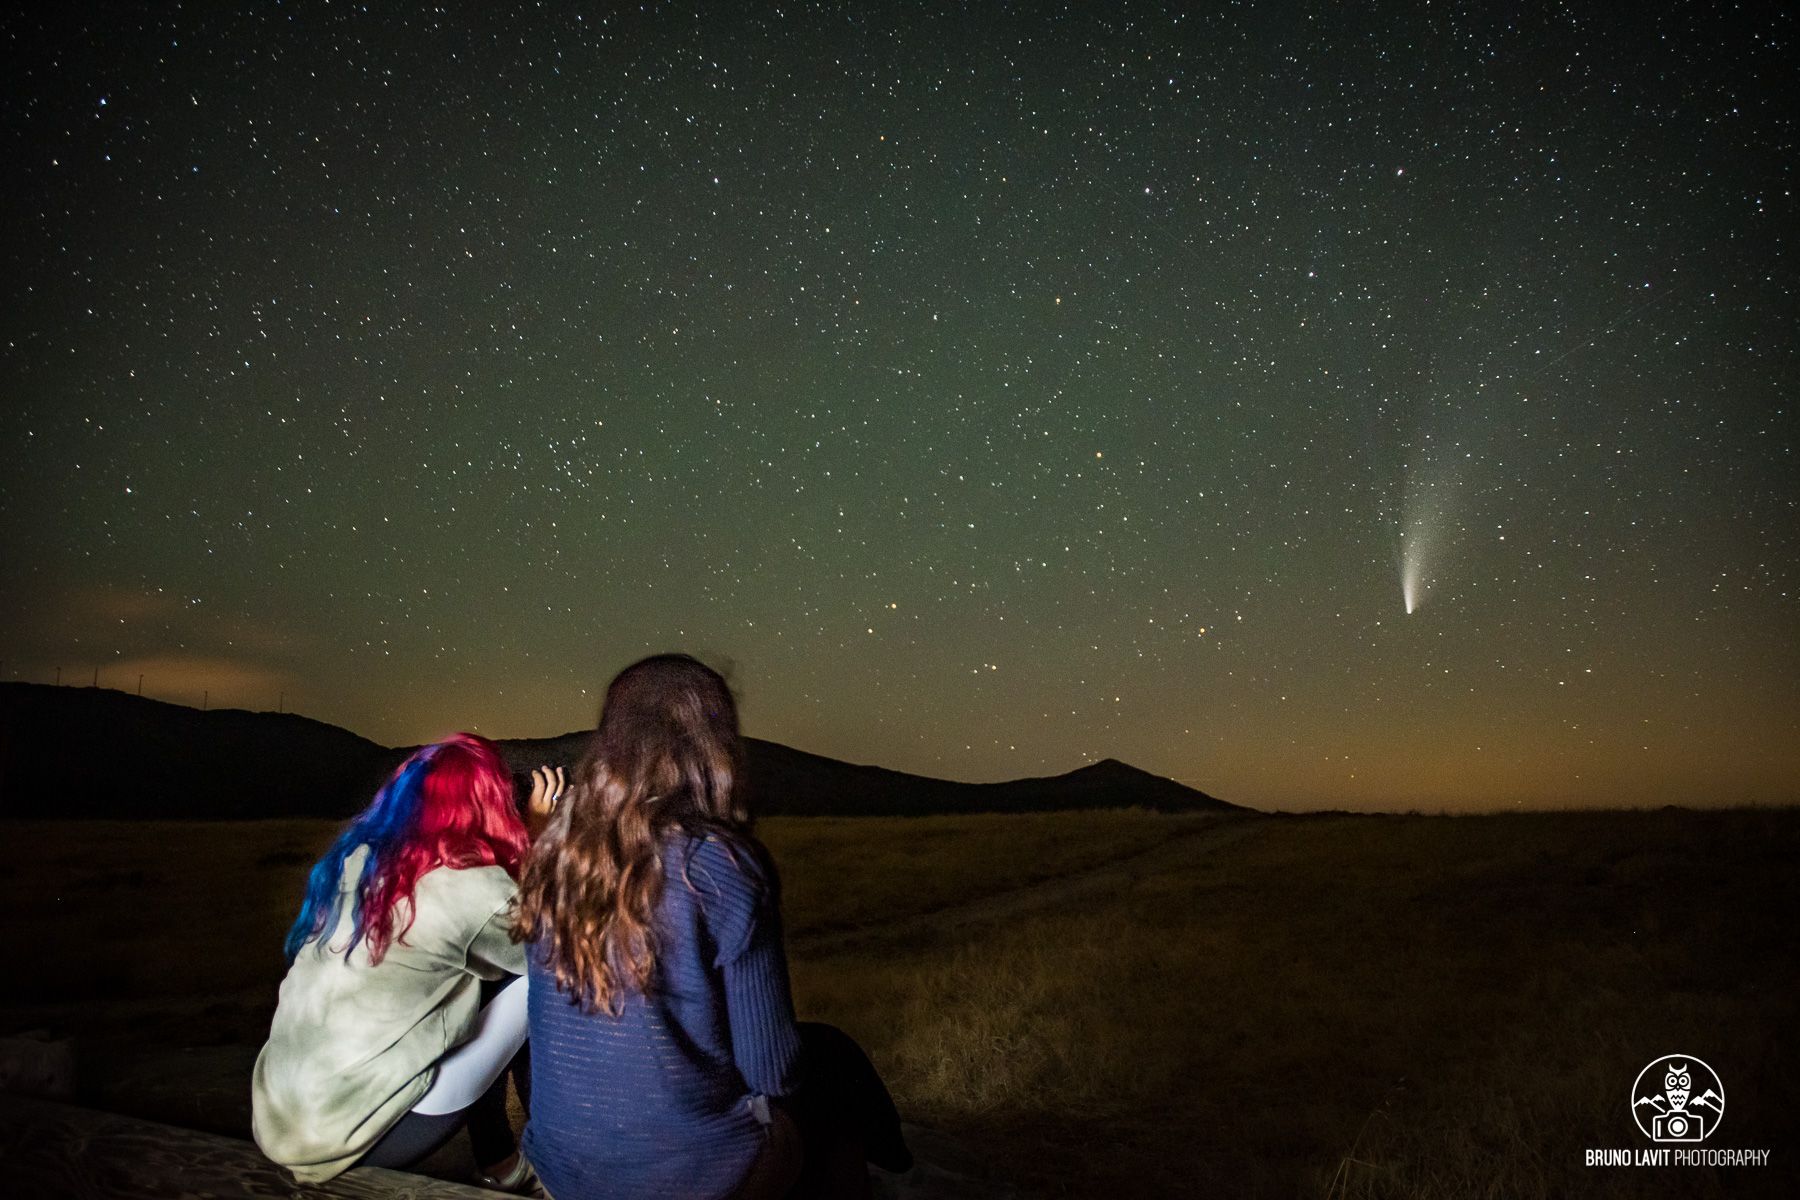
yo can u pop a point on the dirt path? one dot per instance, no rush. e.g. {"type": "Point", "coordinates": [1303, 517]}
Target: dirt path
{"type": "Point", "coordinates": [1060, 891]}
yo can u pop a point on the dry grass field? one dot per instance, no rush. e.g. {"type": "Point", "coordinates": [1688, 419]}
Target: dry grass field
{"type": "Point", "coordinates": [1125, 1003]}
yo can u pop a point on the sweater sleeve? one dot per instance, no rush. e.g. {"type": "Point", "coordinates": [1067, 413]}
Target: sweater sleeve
{"type": "Point", "coordinates": [743, 919]}
{"type": "Point", "coordinates": [765, 1042]}
{"type": "Point", "coordinates": [492, 952]}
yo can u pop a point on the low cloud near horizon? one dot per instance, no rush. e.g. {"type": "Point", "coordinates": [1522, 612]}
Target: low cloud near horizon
{"type": "Point", "coordinates": [198, 679]}
{"type": "Point", "coordinates": [118, 638]}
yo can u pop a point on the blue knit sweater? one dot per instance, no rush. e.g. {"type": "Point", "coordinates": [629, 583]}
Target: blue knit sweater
{"type": "Point", "coordinates": [658, 1100]}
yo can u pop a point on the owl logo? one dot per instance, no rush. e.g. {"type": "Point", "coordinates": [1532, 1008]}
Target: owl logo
{"type": "Point", "coordinates": [1677, 1098]}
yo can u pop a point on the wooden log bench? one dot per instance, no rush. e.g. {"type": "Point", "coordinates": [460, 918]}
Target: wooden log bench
{"type": "Point", "coordinates": [53, 1150]}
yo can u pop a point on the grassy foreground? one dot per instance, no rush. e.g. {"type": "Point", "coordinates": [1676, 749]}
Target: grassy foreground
{"type": "Point", "coordinates": [1403, 1006]}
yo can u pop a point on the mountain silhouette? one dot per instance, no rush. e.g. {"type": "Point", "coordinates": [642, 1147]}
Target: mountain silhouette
{"type": "Point", "coordinates": [95, 752]}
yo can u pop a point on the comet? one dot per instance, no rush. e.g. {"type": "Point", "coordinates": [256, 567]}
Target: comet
{"type": "Point", "coordinates": [1411, 578]}
{"type": "Point", "coordinates": [1413, 581]}
{"type": "Point", "coordinates": [1425, 522]}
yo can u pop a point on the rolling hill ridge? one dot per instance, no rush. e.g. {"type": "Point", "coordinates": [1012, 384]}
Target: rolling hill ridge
{"type": "Point", "coordinates": [95, 752]}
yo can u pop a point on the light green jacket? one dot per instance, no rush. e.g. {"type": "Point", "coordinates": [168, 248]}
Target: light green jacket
{"type": "Point", "coordinates": [355, 1044]}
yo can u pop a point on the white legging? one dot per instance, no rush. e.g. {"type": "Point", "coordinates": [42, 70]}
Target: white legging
{"type": "Point", "coordinates": [471, 1068]}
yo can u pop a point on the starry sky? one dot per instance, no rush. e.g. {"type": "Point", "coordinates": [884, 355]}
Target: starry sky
{"type": "Point", "coordinates": [1326, 406]}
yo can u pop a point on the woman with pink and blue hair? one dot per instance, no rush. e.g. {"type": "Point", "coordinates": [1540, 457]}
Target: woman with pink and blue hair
{"type": "Point", "coordinates": [381, 1046]}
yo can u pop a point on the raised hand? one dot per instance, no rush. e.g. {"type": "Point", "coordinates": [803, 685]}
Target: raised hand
{"type": "Point", "coordinates": [547, 787]}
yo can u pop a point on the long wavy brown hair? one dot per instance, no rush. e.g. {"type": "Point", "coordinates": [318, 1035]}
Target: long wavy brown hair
{"type": "Point", "coordinates": [666, 757]}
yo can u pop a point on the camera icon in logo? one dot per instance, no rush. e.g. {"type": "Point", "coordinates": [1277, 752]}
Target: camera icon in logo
{"type": "Point", "coordinates": [1678, 1127]}
{"type": "Point", "coordinates": [1677, 1098]}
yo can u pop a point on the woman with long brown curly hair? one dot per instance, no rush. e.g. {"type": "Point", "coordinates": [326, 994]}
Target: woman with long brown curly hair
{"type": "Point", "coordinates": [665, 1057]}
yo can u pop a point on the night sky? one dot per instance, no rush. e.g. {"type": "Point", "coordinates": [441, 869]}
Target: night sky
{"type": "Point", "coordinates": [989, 390]}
